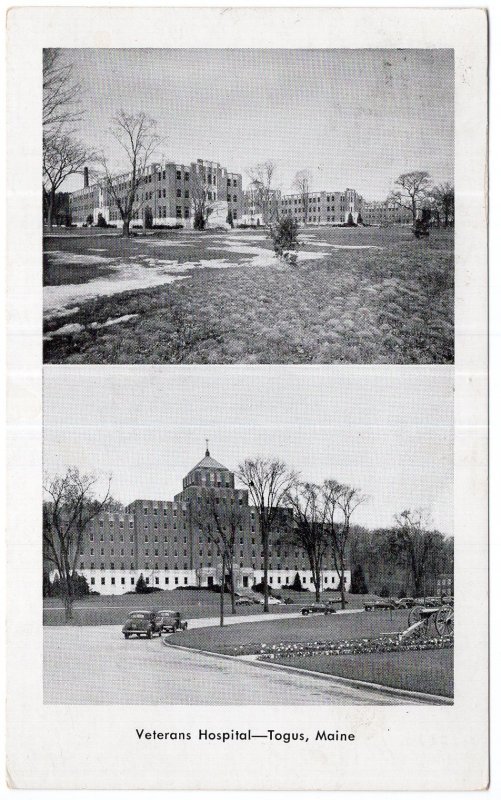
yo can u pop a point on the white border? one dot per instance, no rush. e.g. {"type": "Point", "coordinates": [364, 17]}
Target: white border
{"type": "Point", "coordinates": [391, 739]}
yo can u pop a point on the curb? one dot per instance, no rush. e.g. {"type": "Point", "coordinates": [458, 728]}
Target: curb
{"type": "Point", "coordinates": [432, 699]}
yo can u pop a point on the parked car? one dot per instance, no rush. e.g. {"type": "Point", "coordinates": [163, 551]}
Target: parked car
{"type": "Point", "coordinates": [405, 602]}
{"type": "Point", "coordinates": [381, 605]}
{"type": "Point", "coordinates": [171, 621]}
{"type": "Point", "coordinates": [272, 601]}
{"type": "Point", "coordinates": [244, 601]}
{"type": "Point", "coordinates": [142, 623]}
{"type": "Point", "coordinates": [318, 608]}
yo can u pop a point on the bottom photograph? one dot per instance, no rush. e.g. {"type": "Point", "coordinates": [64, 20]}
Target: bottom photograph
{"type": "Point", "coordinates": [227, 536]}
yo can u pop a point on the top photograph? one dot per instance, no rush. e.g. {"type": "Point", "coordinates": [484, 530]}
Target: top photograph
{"type": "Point", "coordinates": [248, 206]}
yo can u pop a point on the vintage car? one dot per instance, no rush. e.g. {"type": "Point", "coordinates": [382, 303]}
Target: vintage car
{"type": "Point", "coordinates": [386, 604]}
{"type": "Point", "coordinates": [405, 602]}
{"type": "Point", "coordinates": [244, 601]}
{"type": "Point", "coordinates": [319, 608]}
{"type": "Point", "coordinates": [142, 623]}
{"type": "Point", "coordinates": [171, 621]}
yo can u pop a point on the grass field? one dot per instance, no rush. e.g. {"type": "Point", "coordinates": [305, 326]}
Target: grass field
{"type": "Point", "coordinates": [357, 295]}
{"type": "Point", "coordinates": [112, 609]}
{"type": "Point", "coordinates": [430, 671]}
{"type": "Point", "coordinates": [248, 638]}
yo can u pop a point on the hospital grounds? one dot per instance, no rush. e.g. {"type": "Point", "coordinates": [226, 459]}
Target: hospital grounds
{"type": "Point", "coordinates": [356, 295]}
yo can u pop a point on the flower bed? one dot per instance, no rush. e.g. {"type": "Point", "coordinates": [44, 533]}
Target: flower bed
{"type": "Point", "coordinates": [380, 644]}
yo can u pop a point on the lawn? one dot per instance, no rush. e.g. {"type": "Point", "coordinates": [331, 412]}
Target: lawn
{"type": "Point", "coordinates": [361, 295]}
{"type": "Point", "coordinates": [112, 609]}
{"type": "Point", "coordinates": [430, 671]}
{"type": "Point", "coordinates": [250, 638]}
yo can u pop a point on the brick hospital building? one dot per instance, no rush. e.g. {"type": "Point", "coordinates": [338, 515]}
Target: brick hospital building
{"type": "Point", "coordinates": [165, 196]}
{"type": "Point", "coordinates": [166, 541]}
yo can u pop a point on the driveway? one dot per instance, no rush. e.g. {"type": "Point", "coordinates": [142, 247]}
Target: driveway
{"type": "Point", "coordinates": [96, 665]}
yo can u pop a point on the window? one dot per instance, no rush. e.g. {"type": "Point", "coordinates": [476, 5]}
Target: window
{"type": "Point", "coordinates": [178, 174]}
{"type": "Point", "coordinates": [92, 581]}
{"type": "Point", "coordinates": [113, 581]}
{"type": "Point", "coordinates": [103, 581]}
{"type": "Point", "coordinates": [186, 193]}
{"type": "Point", "coordinates": [122, 581]}
{"type": "Point", "coordinates": [186, 176]}
{"type": "Point", "coordinates": [178, 211]}
{"type": "Point", "coordinates": [178, 192]}
{"type": "Point", "coordinates": [82, 565]}
{"type": "Point", "coordinates": [132, 580]}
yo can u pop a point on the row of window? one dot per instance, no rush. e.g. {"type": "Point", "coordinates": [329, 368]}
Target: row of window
{"type": "Point", "coordinates": [185, 580]}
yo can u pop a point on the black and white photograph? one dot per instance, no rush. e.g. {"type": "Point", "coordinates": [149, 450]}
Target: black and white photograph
{"type": "Point", "coordinates": [252, 545]}
{"type": "Point", "coordinates": [248, 206]}
{"type": "Point", "coordinates": [247, 397]}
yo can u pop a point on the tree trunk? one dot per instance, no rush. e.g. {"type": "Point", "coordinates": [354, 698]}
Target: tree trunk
{"type": "Point", "coordinates": [221, 593]}
{"type": "Point", "coordinates": [125, 229]}
{"type": "Point", "coordinates": [68, 599]}
{"type": "Point", "coordinates": [341, 586]}
{"type": "Point", "coordinates": [265, 578]}
{"type": "Point", "coordinates": [232, 589]}
{"type": "Point", "coordinates": [52, 200]}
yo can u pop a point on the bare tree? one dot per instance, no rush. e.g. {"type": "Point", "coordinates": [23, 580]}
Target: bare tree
{"type": "Point", "coordinates": [301, 185]}
{"type": "Point", "coordinates": [269, 481]}
{"type": "Point", "coordinates": [417, 546]}
{"type": "Point", "coordinates": [219, 521]}
{"type": "Point", "coordinates": [443, 195]}
{"type": "Point", "coordinates": [261, 177]}
{"type": "Point", "coordinates": [136, 134]}
{"type": "Point", "coordinates": [203, 196]}
{"type": "Point", "coordinates": [68, 511]}
{"type": "Point", "coordinates": [308, 530]}
{"type": "Point", "coordinates": [61, 94]}
{"type": "Point", "coordinates": [412, 189]}
{"type": "Point", "coordinates": [62, 156]}
{"type": "Point", "coordinates": [340, 501]}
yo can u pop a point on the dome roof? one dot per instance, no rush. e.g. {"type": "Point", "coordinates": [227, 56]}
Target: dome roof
{"type": "Point", "coordinates": [209, 463]}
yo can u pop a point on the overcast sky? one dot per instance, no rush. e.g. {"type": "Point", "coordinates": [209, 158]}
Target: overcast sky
{"type": "Point", "coordinates": [387, 430]}
{"type": "Point", "coordinates": [354, 118]}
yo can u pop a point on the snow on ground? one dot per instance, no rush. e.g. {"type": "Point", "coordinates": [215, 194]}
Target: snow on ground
{"type": "Point", "coordinates": [64, 257]}
{"type": "Point", "coordinates": [144, 272]}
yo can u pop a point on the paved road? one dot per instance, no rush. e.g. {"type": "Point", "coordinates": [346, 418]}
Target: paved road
{"type": "Point", "coordinates": [93, 665]}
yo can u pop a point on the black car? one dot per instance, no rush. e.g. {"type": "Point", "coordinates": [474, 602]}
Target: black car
{"type": "Point", "coordinates": [142, 623]}
{"type": "Point", "coordinates": [318, 608]}
{"type": "Point", "coordinates": [171, 621]}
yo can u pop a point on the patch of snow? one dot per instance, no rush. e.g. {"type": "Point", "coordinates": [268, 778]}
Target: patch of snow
{"type": "Point", "coordinates": [65, 330]}
{"type": "Point", "coordinates": [65, 312]}
{"type": "Point", "coordinates": [70, 259]}
{"type": "Point", "coordinates": [115, 321]}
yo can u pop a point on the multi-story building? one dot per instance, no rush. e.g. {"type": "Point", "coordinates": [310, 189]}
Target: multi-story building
{"type": "Point", "coordinates": [385, 212]}
{"type": "Point", "coordinates": [165, 195]}
{"type": "Point", "coordinates": [258, 211]}
{"type": "Point", "coordinates": [323, 208]}
{"type": "Point", "coordinates": [326, 208]}
{"type": "Point", "coordinates": [166, 541]}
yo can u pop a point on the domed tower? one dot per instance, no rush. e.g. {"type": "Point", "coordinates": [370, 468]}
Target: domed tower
{"type": "Point", "coordinates": [207, 474]}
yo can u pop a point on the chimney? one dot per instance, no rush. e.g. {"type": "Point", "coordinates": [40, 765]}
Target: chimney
{"type": "Point", "coordinates": [86, 177]}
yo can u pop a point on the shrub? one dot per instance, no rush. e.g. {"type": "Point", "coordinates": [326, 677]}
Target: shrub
{"type": "Point", "coordinates": [141, 587]}
{"type": "Point", "coordinates": [297, 586]}
{"type": "Point", "coordinates": [199, 221]}
{"type": "Point", "coordinates": [101, 222]}
{"type": "Point", "coordinates": [284, 237]}
{"type": "Point", "coordinates": [79, 583]}
{"type": "Point", "coordinates": [358, 584]}
{"type": "Point", "coordinates": [89, 220]}
{"type": "Point", "coordinates": [385, 592]}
